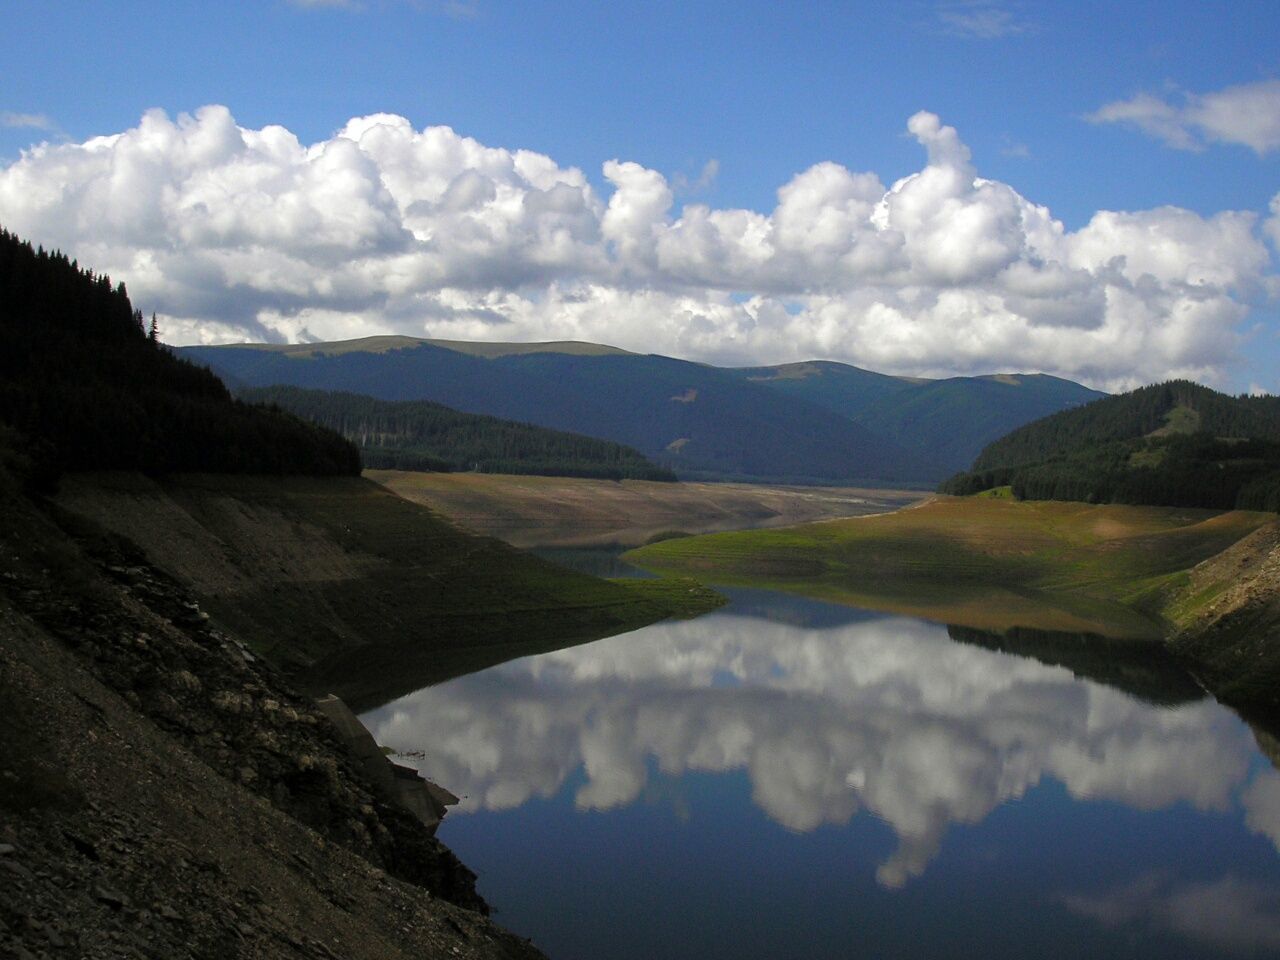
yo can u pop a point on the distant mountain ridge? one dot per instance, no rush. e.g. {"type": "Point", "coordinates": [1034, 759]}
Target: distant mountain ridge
{"type": "Point", "coordinates": [814, 422]}
{"type": "Point", "coordinates": [1174, 444]}
{"type": "Point", "coordinates": [474, 348]}
{"type": "Point", "coordinates": [945, 421]}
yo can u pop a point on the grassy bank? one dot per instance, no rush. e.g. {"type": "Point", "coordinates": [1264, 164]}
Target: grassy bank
{"type": "Point", "coordinates": [1228, 615]}
{"type": "Point", "coordinates": [318, 574]}
{"type": "Point", "coordinates": [987, 563]}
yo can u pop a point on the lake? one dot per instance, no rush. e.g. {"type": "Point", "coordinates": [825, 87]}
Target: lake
{"type": "Point", "coordinates": [786, 778]}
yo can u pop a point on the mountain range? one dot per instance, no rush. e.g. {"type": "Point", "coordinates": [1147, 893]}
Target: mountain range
{"type": "Point", "coordinates": [818, 421]}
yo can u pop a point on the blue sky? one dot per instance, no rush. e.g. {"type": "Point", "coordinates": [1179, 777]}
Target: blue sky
{"type": "Point", "coordinates": [727, 103]}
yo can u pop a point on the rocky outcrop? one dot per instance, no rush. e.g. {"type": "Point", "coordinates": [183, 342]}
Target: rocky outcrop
{"type": "Point", "coordinates": [164, 793]}
{"type": "Point", "coordinates": [397, 783]}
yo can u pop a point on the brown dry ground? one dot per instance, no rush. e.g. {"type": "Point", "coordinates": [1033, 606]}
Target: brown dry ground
{"type": "Point", "coordinates": [573, 512]}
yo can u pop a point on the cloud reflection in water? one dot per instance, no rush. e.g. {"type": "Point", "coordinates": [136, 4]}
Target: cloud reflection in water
{"type": "Point", "coordinates": [1228, 914]}
{"type": "Point", "coordinates": [886, 714]}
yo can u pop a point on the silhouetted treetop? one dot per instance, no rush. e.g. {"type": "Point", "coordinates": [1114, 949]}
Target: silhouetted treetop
{"type": "Point", "coordinates": [85, 386]}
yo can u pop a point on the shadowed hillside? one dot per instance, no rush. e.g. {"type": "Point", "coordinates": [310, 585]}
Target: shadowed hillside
{"type": "Point", "coordinates": [946, 422]}
{"type": "Point", "coordinates": [134, 720]}
{"type": "Point", "coordinates": [810, 422]}
{"type": "Point", "coordinates": [420, 435]}
{"type": "Point", "coordinates": [950, 420]}
{"type": "Point", "coordinates": [85, 387]}
{"type": "Point", "coordinates": [701, 421]}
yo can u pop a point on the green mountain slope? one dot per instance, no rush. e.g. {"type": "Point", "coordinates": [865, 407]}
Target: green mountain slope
{"type": "Point", "coordinates": [947, 422]}
{"type": "Point", "coordinates": [1179, 406]}
{"type": "Point", "coordinates": [839, 387]}
{"type": "Point", "coordinates": [1175, 443]}
{"type": "Point", "coordinates": [420, 435]}
{"type": "Point", "coordinates": [951, 420]}
{"type": "Point", "coordinates": [816, 421]}
{"type": "Point", "coordinates": [701, 421]}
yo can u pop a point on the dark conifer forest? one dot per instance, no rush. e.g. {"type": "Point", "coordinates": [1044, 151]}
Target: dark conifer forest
{"type": "Point", "coordinates": [420, 435]}
{"type": "Point", "coordinates": [1174, 444]}
{"type": "Point", "coordinates": [85, 386]}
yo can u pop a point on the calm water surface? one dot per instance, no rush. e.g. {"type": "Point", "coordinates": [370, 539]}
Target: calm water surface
{"type": "Point", "coordinates": [788, 779]}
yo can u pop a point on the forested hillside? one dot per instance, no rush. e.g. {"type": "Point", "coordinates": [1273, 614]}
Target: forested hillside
{"type": "Point", "coordinates": [951, 420]}
{"type": "Point", "coordinates": [815, 421]}
{"type": "Point", "coordinates": [420, 435]}
{"type": "Point", "coordinates": [700, 421]}
{"type": "Point", "coordinates": [1178, 406]}
{"type": "Point", "coordinates": [83, 385]}
{"type": "Point", "coordinates": [1176, 443]}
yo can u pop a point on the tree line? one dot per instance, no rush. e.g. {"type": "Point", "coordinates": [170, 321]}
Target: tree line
{"type": "Point", "coordinates": [86, 385]}
{"type": "Point", "coordinates": [1132, 415]}
{"type": "Point", "coordinates": [421, 435]}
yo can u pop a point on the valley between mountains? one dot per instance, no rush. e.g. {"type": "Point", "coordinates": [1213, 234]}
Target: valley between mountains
{"type": "Point", "coordinates": [817, 422]}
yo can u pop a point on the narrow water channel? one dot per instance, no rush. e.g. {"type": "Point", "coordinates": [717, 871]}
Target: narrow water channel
{"type": "Point", "coordinates": [785, 778]}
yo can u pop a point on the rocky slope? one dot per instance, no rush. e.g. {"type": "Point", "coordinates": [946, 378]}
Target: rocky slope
{"type": "Point", "coordinates": [164, 793]}
{"type": "Point", "coordinates": [346, 587]}
{"type": "Point", "coordinates": [1229, 618]}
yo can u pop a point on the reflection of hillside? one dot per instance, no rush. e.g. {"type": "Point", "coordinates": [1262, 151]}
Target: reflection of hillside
{"type": "Point", "coordinates": [1144, 670]}
{"type": "Point", "coordinates": [604, 561]}
{"type": "Point", "coordinates": [888, 715]}
{"type": "Point", "coordinates": [372, 675]}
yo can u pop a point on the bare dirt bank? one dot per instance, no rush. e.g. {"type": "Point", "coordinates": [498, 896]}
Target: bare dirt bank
{"type": "Point", "coordinates": [1228, 614]}
{"type": "Point", "coordinates": [573, 512]}
{"type": "Point", "coordinates": [326, 577]}
{"type": "Point", "coordinates": [165, 795]}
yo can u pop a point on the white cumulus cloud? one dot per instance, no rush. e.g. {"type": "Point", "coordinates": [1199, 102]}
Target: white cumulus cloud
{"type": "Point", "coordinates": [234, 233]}
{"type": "Point", "coordinates": [1248, 114]}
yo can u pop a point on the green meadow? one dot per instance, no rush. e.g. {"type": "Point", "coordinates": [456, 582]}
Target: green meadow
{"type": "Point", "coordinates": [991, 562]}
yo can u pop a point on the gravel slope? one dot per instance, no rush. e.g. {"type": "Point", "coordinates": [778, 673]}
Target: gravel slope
{"type": "Point", "coordinates": [165, 794]}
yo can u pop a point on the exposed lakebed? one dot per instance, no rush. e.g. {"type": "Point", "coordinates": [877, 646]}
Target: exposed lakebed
{"type": "Point", "coordinates": [790, 778]}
